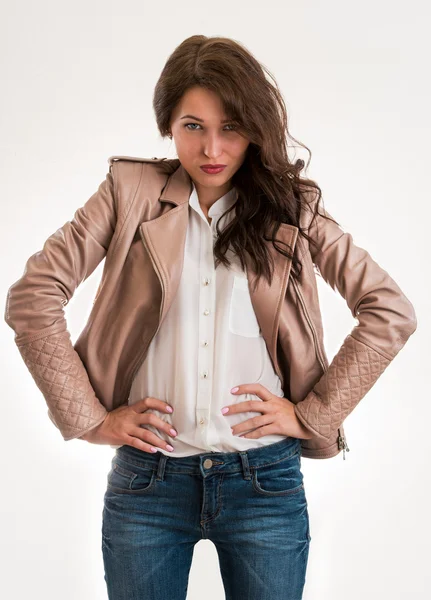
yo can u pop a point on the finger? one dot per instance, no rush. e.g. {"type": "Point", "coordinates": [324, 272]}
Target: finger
{"type": "Point", "coordinates": [151, 402]}
{"type": "Point", "coordinates": [247, 406]}
{"type": "Point", "coordinates": [150, 418]}
{"type": "Point", "coordinates": [260, 432]}
{"type": "Point", "coordinates": [150, 438]}
{"type": "Point", "coordinates": [131, 440]}
{"type": "Point", "coordinates": [252, 388]}
{"type": "Point", "coordinates": [252, 424]}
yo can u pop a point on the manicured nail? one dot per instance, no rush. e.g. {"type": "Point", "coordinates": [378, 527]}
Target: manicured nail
{"type": "Point", "coordinates": [169, 409]}
{"type": "Point", "coordinates": [169, 447]}
{"type": "Point", "coordinates": [224, 410]}
{"type": "Point", "coordinates": [235, 389]}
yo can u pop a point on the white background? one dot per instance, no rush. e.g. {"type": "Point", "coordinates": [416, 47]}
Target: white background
{"type": "Point", "coordinates": [77, 83]}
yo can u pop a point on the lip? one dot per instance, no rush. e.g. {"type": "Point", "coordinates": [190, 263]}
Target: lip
{"type": "Point", "coordinates": [210, 166]}
{"type": "Point", "coordinates": [213, 169]}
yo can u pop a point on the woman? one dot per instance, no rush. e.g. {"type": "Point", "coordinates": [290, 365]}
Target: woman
{"type": "Point", "coordinates": [208, 301]}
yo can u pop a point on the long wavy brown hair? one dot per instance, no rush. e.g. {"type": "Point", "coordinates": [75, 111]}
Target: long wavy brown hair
{"type": "Point", "coordinates": [270, 187]}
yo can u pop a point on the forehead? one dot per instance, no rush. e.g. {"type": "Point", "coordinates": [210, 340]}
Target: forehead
{"type": "Point", "coordinates": [201, 103]}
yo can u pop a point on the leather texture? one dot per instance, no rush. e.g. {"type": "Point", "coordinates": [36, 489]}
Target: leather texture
{"type": "Point", "coordinates": [352, 373]}
{"type": "Point", "coordinates": [136, 222]}
{"type": "Point", "coordinates": [61, 377]}
{"type": "Point", "coordinates": [385, 320]}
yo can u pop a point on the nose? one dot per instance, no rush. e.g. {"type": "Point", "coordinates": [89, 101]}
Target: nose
{"type": "Point", "coordinates": [213, 146]}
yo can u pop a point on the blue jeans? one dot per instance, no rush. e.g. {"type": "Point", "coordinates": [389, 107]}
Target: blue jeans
{"type": "Point", "coordinates": [250, 504]}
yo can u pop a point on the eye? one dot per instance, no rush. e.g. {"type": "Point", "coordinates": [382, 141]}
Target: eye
{"type": "Point", "coordinates": [188, 126]}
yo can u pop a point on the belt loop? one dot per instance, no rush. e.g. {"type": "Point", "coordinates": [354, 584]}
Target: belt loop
{"type": "Point", "coordinates": [245, 464]}
{"type": "Point", "coordinates": [161, 467]}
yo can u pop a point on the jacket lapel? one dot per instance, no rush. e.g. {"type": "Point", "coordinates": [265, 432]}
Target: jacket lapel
{"type": "Point", "coordinates": [164, 239]}
{"type": "Point", "coordinates": [165, 236]}
{"type": "Point", "coordinates": [267, 300]}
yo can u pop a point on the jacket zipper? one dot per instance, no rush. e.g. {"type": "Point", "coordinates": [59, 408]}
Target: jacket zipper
{"type": "Point", "coordinates": [342, 442]}
{"type": "Point", "coordinates": [313, 330]}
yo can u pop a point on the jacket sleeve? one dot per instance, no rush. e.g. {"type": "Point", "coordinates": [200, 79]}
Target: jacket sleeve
{"type": "Point", "coordinates": [35, 311]}
{"type": "Point", "coordinates": [385, 320]}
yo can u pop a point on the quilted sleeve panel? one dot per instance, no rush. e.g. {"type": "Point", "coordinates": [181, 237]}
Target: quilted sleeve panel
{"type": "Point", "coordinates": [385, 320]}
{"type": "Point", "coordinates": [62, 378]}
{"type": "Point", "coordinates": [35, 311]}
{"type": "Point", "coordinates": [351, 374]}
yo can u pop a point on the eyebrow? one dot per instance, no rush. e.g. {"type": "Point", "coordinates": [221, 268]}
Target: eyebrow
{"type": "Point", "coordinates": [201, 120]}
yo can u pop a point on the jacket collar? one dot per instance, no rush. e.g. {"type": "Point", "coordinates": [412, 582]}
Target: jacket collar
{"type": "Point", "coordinates": [178, 187]}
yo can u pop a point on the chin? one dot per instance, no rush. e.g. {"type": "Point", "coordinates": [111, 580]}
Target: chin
{"type": "Point", "coordinates": [210, 180]}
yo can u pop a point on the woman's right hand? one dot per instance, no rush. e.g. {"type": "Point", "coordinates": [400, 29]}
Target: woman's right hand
{"type": "Point", "coordinates": [122, 426]}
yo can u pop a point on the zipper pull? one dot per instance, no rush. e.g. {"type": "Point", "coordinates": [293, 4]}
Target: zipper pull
{"type": "Point", "coordinates": [345, 448]}
{"type": "Point", "coordinates": [343, 444]}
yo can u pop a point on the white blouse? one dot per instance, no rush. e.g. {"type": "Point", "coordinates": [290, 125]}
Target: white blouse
{"type": "Point", "coordinates": [209, 342]}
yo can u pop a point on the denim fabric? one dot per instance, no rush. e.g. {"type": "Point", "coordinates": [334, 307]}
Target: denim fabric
{"type": "Point", "coordinates": [250, 504]}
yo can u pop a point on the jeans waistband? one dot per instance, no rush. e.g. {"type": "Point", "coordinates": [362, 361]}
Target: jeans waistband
{"type": "Point", "coordinates": [231, 462]}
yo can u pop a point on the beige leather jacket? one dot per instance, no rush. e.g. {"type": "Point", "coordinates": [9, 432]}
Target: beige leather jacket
{"type": "Point", "coordinates": [137, 221]}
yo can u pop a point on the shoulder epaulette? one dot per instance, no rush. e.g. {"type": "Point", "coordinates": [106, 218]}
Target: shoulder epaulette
{"type": "Point", "coordinates": [135, 159]}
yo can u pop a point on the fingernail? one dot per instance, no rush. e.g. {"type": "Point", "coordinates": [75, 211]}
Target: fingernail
{"type": "Point", "coordinates": [235, 389]}
{"type": "Point", "coordinates": [172, 431]}
{"type": "Point", "coordinates": [169, 447]}
{"type": "Point", "coordinates": [169, 409]}
{"type": "Point", "coordinates": [224, 410]}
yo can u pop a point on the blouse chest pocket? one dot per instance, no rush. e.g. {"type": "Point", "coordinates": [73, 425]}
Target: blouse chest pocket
{"type": "Point", "coordinates": [242, 318]}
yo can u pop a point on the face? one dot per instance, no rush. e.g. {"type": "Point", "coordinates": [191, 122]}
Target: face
{"type": "Point", "coordinates": [201, 138]}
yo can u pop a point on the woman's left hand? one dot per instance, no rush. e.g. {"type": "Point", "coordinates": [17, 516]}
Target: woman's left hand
{"type": "Point", "coordinates": [278, 416]}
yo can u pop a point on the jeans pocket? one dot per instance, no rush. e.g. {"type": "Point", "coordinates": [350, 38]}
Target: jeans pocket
{"type": "Point", "coordinates": [123, 480]}
{"type": "Point", "coordinates": [281, 478]}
